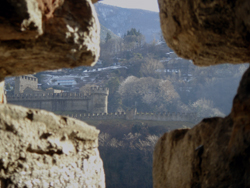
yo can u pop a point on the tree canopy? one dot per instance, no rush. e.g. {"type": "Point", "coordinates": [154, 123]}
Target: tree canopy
{"type": "Point", "coordinates": [133, 31]}
{"type": "Point", "coordinates": [108, 37]}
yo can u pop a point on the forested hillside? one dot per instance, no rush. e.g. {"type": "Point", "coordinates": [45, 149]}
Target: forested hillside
{"type": "Point", "coordinates": [150, 77]}
{"type": "Point", "coordinates": [156, 80]}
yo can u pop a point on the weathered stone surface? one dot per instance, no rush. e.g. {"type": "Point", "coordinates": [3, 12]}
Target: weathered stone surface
{"type": "Point", "coordinates": [215, 153]}
{"type": "Point", "coordinates": [37, 35]}
{"type": "Point", "coordinates": [208, 32]}
{"type": "Point", "coordinates": [39, 149]}
{"type": "Point", "coordinates": [2, 93]}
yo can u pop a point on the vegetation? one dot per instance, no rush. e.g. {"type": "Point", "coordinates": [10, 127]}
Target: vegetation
{"type": "Point", "coordinates": [108, 37]}
{"type": "Point", "coordinates": [156, 80]}
{"type": "Point", "coordinates": [126, 147]}
{"type": "Point", "coordinates": [153, 78]}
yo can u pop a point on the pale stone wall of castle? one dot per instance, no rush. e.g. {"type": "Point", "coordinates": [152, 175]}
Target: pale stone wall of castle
{"type": "Point", "coordinates": [96, 102]}
{"type": "Point", "coordinates": [23, 82]}
{"type": "Point", "coordinates": [99, 100]}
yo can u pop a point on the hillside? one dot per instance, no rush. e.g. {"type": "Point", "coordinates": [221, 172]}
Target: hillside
{"type": "Point", "coordinates": [120, 20]}
{"type": "Point", "coordinates": [104, 32]}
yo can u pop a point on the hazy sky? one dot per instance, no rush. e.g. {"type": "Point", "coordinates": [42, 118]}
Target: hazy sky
{"type": "Point", "coordinates": [151, 5]}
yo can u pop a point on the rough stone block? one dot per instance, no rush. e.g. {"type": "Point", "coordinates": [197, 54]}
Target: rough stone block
{"type": "Point", "coordinates": [208, 32]}
{"type": "Point", "coordinates": [38, 35]}
{"type": "Point", "coordinates": [40, 149]}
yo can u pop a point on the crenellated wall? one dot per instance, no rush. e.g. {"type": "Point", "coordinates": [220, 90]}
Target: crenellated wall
{"type": "Point", "coordinates": [25, 81]}
{"type": "Point", "coordinates": [167, 116]}
{"type": "Point", "coordinates": [191, 117]}
{"type": "Point", "coordinates": [96, 102]}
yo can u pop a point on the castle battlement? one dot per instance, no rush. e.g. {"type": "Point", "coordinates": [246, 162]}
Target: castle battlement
{"type": "Point", "coordinates": [27, 94]}
{"type": "Point", "coordinates": [28, 77]}
{"type": "Point", "coordinates": [42, 95]}
{"type": "Point", "coordinates": [77, 102]}
{"type": "Point", "coordinates": [191, 117]}
{"type": "Point", "coordinates": [23, 82]}
{"type": "Point", "coordinates": [45, 96]}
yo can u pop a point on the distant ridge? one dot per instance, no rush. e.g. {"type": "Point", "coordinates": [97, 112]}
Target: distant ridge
{"type": "Point", "coordinates": [104, 32]}
{"type": "Point", "coordinates": [120, 20]}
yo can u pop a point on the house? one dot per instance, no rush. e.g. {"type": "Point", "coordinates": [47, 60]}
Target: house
{"type": "Point", "coordinates": [66, 81]}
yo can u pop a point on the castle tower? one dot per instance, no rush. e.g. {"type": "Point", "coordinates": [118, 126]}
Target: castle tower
{"type": "Point", "coordinates": [22, 82]}
{"type": "Point", "coordinates": [99, 100]}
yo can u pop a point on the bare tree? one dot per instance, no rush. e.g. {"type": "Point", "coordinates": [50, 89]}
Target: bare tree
{"type": "Point", "coordinates": [157, 93]}
{"type": "Point", "coordinates": [167, 92]}
{"type": "Point", "coordinates": [204, 108]}
{"type": "Point", "coordinates": [151, 68]}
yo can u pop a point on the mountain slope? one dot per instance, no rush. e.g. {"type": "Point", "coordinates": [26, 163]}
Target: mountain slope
{"type": "Point", "coordinates": [120, 20]}
{"type": "Point", "coordinates": [104, 32]}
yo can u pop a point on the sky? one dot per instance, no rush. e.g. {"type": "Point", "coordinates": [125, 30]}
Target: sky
{"type": "Point", "coordinates": [151, 5]}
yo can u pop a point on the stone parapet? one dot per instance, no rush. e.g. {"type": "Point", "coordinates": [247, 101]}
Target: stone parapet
{"type": "Point", "coordinates": [95, 102]}
{"type": "Point", "coordinates": [166, 116]}
{"type": "Point", "coordinates": [101, 116]}
{"type": "Point", "coordinates": [138, 116]}
{"type": "Point", "coordinates": [45, 96]}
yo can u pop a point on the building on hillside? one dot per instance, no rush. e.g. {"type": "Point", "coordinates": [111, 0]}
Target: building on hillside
{"type": "Point", "coordinates": [27, 94]}
{"type": "Point", "coordinates": [64, 81]}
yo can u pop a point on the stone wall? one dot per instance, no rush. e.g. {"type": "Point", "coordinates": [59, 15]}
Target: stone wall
{"type": "Point", "coordinates": [190, 117]}
{"type": "Point", "coordinates": [96, 102]}
{"type": "Point", "coordinates": [23, 82]}
{"type": "Point", "coordinates": [167, 117]}
{"type": "Point", "coordinates": [99, 100]}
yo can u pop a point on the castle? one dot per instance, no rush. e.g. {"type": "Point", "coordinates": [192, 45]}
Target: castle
{"type": "Point", "coordinates": [24, 83]}
{"type": "Point", "coordinates": [80, 105]}
{"type": "Point", "coordinates": [27, 94]}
